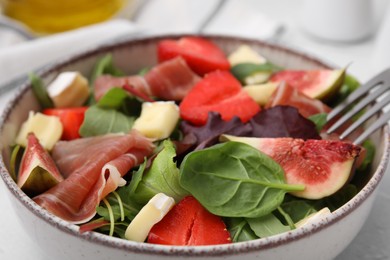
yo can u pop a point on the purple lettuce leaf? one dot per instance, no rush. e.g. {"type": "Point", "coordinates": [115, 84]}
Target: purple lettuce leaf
{"type": "Point", "coordinates": [283, 121]}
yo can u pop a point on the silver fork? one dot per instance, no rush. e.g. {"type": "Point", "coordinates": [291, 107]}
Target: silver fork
{"type": "Point", "coordinates": [376, 93]}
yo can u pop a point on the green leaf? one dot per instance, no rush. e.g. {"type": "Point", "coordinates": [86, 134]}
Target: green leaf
{"type": "Point", "coordinates": [235, 180]}
{"type": "Point", "coordinates": [350, 84]}
{"type": "Point", "coordinates": [298, 209]}
{"type": "Point", "coordinates": [340, 198]}
{"type": "Point", "coordinates": [99, 121]}
{"type": "Point", "coordinates": [16, 157]}
{"type": "Point", "coordinates": [240, 230]}
{"type": "Point", "coordinates": [244, 70]}
{"type": "Point", "coordinates": [130, 207]}
{"type": "Point", "coordinates": [113, 99]}
{"type": "Point", "coordinates": [162, 176]}
{"type": "Point", "coordinates": [369, 156]}
{"type": "Point", "coordinates": [40, 91]}
{"type": "Point", "coordinates": [119, 99]}
{"type": "Point", "coordinates": [267, 225]}
{"type": "Point", "coordinates": [319, 120]}
{"type": "Point", "coordinates": [103, 66]}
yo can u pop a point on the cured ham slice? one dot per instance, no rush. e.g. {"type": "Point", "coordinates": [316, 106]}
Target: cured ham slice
{"type": "Point", "coordinates": [170, 80]}
{"type": "Point", "coordinates": [93, 167]}
{"type": "Point", "coordinates": [290, 96]}
{"type": "Point", "coordinates": [106, 82]}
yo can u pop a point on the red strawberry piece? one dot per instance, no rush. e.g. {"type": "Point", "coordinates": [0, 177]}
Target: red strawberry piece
{"type": "Point", "coordinates": [221, 92]}
{"type": "Point", "coordinates": [189, 223]}
{"type": "Point", "coordinates": [201, 55]}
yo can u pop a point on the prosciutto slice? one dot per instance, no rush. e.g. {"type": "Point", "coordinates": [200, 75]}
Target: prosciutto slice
{"type": "Point", "coordinates": [170, 80]}
{"type": "Point", "coordinates": [93, 167]}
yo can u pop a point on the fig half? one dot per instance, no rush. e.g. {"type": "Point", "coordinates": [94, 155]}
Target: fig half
{"type": "Point", "coordinates": [38, 172]}
{"type": "Point", "coordinates": [323, 166]}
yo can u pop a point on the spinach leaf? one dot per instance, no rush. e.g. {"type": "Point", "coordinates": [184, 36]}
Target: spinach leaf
{"type": "Point", "coordinates": [162, 176]}
{"type": "Point", "coordinates": [40, 91]}
{"type": "Point", "coordinates": [99, 121]}
{"type": "Point", "coordinates": [339, 198]}
{"type": "Point", "coordinates": [233, 179]}
{"type": "Point", "coordinates": [240, 230]}
{"type": "Point", "coordinates": [319, 120]}
{"type": "Point", "coordinates": [105, 65]}
{"type": "Point", "coordinates": [267, 225]}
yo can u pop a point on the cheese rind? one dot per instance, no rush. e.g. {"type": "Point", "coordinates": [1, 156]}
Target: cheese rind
{"type": "Point", "coordinates": [150, 214]}
{"type": "Point", "coordinates": [157, 119]}
{"type": "Point", "coordinates": [48, 130]}
{"type": "Point", "coordinates": [69, 89]}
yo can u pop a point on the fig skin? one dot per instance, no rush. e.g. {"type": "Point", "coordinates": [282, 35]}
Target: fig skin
{"type": "Point", "coordinates": [38, 172]}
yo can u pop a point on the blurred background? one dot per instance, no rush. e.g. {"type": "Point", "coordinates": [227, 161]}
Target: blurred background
{"type": "Point", "coordinates": [353, 33]}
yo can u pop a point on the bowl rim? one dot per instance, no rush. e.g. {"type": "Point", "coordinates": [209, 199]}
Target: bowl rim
{"type": "Point", "coordinates": [213, 250]}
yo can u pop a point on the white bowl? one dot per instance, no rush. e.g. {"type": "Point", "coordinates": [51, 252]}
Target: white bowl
{"type": "Point", "coordinates": [60, 240]}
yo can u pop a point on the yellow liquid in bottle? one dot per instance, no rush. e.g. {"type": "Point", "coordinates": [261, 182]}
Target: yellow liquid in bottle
{"type": "Point", "coordinates": [50, 16]}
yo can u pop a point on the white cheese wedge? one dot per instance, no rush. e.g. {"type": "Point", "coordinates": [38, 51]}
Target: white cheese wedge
{"type": "Point", "coordinates": [48, 130]}
{"type": "Point", "coordinates": [157, 119]}
{"type": "Point", "coordinates": [245, 54]}
{"type": "Point", "coordinates": [150, 214]}
{"type": "Point", "coordinates": [69, 89]}
{"type": "Point", "coordinates": [313, 218]}
{"type": "Point", "coordinates": [261, 92]}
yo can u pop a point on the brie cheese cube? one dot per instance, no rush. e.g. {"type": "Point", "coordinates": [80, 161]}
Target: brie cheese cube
{"type": "Point", "coordinates": [313, 218]}
{"type": "Point", "coordinates": [69, 89]}
{"type": "Point", "coordinates": [261, 93]}
{"type": "Point", "coordinates": [48, 130]}
{"type": "Point", "coordinates": [245, 54]}
{"type": "Point", "coordinates": [149, 215]}
{"type": "Point", "coordinates": [157, 119]}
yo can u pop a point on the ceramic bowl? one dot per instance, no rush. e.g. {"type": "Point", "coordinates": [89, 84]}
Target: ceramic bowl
{"type": "Point", "coordinates": [323, 239]}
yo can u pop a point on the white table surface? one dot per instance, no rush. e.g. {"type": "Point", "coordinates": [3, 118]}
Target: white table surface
{"type": "Point", "coordinates": [373, 240]}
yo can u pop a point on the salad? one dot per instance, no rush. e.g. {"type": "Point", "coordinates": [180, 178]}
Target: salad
{"type": "Point", "coordinates": [202, 148]}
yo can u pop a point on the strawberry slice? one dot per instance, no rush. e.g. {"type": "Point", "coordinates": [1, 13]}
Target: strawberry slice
{"type": "Point", "coordinates": [189, 223]}
{"type": "Point", "coordinates": [221, 92]}
{"type": "Point", "coordinates": [71, 119]}
{"type": "Point", "coordinates": [201, 55]}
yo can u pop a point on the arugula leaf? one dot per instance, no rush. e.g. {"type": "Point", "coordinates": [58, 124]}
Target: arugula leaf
{"type": "Point", "coordinates": [240, 230]}
{"type": "Point", "coordinates": [319, 120]}
{"type": "Point", "coordinates": [267, 225]}
{"type": "Point", "coordinates": [40, 91]}
{"type": "Point", "coordinates": [119, 99]}
{"type": "Point", "coordinates": [162, 176]}
{"type": "Point", "coordinates": [298, 209]}
{"type": "Point", "coordinates": [99, 121]}
{"type": "Point", "coordinates": [105, 65]}
{"type": "Point", "coordinates": [233, 179]}
{"type": "Point", "coordinates": [283, 121]}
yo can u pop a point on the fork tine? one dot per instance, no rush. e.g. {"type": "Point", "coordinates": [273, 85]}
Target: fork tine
{"type": "Point", "coordinates": [369, 113]}
{"type": "Point", "coordinates": [384, 119]}
{"type": "Point", "coordinates": [382, 77]}
{"type": "Point", "coordinates": [358, 107]}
